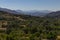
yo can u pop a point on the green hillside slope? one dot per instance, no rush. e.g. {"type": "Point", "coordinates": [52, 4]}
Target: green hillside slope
{"type": "Point", "coordinates": [25, 27]}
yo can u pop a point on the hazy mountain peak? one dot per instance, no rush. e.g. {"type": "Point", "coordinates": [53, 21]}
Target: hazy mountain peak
{"type": "Point", "coordinates": [31, 12]}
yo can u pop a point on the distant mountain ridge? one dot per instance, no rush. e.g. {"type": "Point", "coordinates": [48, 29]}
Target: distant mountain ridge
{"type": "Point", "coordinates": [38, 13]}
{"type": "Point", "coordinates": [35, 12]}
{"type": "Point", "coordinates": [8, 10]}
{"type": "Point", "coordinates": [54, 14]}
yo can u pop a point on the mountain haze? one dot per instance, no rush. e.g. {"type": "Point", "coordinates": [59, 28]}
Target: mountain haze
{"type": "Point", "coordinates": [32, 12]}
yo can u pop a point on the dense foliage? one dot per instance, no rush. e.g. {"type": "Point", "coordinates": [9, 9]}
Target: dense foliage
{"type": "Point", "coordinates": [24, 27]}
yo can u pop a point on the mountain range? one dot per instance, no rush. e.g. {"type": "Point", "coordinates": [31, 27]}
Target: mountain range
{"type": "Point", "coordinates": [34, 12]}
{"type": "Point", "coordinates": [38, 13]}
{"type": "Point", "coordinates": [31, 12]}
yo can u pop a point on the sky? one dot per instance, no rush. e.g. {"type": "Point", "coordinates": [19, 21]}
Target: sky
{"type": "Point", "coordinates": [30, 4]}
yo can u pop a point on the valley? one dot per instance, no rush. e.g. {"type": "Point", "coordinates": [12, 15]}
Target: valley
{"type": "Point", "coordinates": [27, 27]}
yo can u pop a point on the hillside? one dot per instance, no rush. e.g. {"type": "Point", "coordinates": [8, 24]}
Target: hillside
{"type": "Point", "coordinates": [25, 27]}
{"type": "Point", "coordinates": [54, 14]}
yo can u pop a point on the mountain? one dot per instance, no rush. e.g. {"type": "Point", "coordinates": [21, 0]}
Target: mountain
{"type": "Point", "coordinates": [35, 12]}
{"type": "Point", "coordinates": [38, 13]}
{"type": "Point", "coordinates": [54, 14]}
{"type": "Point", "coordinates": [8, 10]}
{"type": "Point", "coordinates": [42, 11]}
